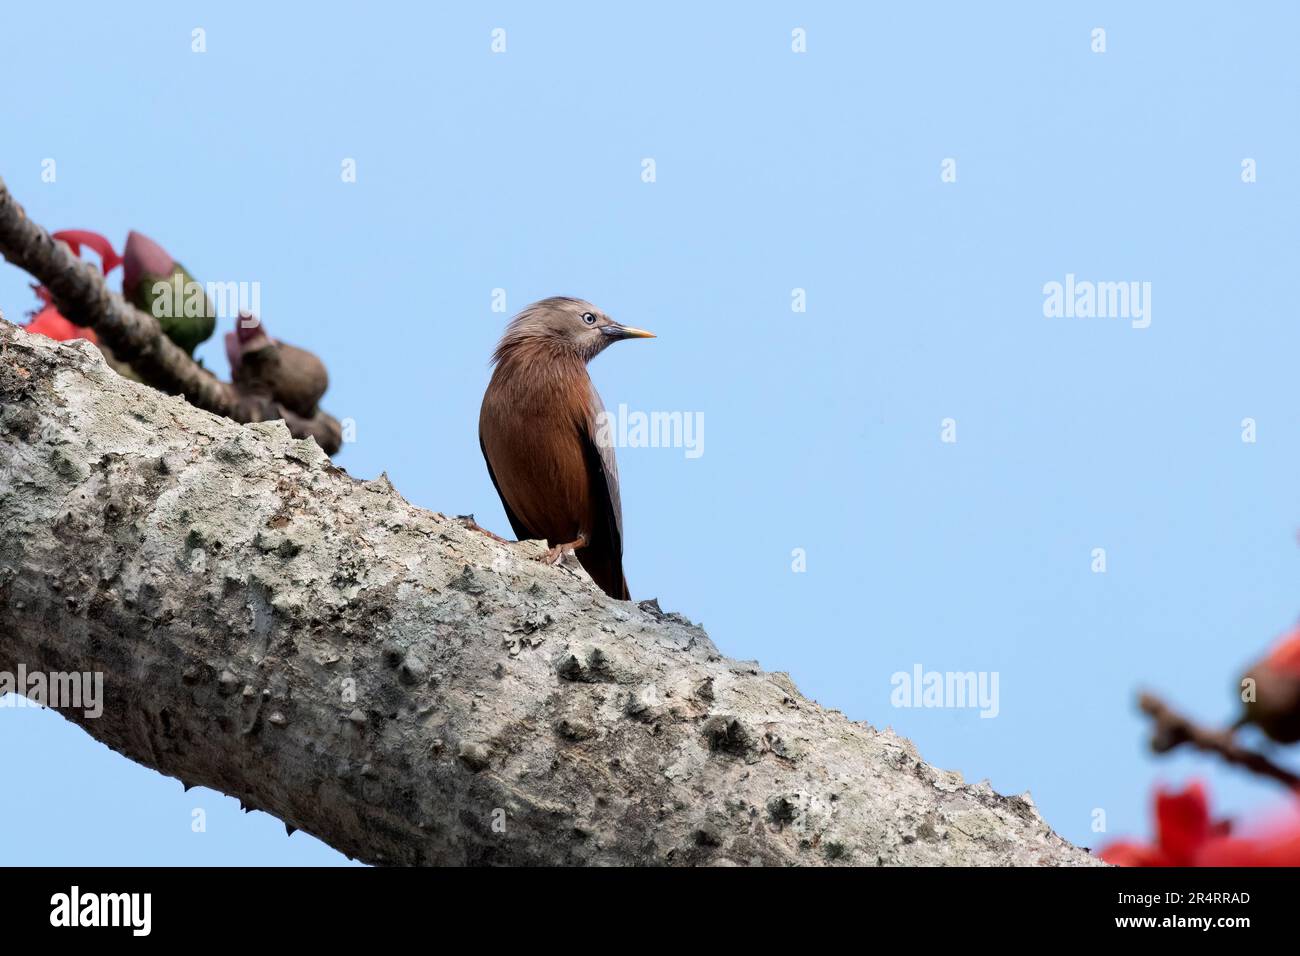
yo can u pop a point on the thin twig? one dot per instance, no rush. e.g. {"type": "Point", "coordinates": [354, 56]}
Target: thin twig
{"type": "Point", "coordinates": [1172, 729]}
{"type": "Point", "coordinates": [135, 337]}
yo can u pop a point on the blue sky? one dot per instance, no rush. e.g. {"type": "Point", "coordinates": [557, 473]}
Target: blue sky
{"type": "Point", "coordinates": [775, 170]}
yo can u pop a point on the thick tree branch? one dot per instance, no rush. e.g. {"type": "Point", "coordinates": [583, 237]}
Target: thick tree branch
{"type": "Point", "coordinates": [406, 688]}
{"type": "Point", "coordinates": [136, 338]}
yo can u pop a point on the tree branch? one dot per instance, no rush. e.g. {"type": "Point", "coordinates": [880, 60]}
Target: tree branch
{"type": "Point", "coordinates": [405, 688]}
{"type": "Point", "coordinates": [83, 297]}
{"type": "Point", "coordinates": [1172, 730]}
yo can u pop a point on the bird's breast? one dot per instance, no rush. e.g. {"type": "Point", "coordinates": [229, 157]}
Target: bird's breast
{"type": "Point", "coordinates": [532, 434]}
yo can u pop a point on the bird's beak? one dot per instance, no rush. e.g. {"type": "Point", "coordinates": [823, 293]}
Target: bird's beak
{"type": "Point", "coordinates": [616, 332]}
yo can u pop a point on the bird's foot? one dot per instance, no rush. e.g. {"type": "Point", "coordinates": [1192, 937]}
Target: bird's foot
{"type": "Point", "coordinates": [555, 556]}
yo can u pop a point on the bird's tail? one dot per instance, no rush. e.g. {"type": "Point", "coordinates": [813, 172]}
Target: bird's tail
{"type": "Point", "coordinates": [606, 571]}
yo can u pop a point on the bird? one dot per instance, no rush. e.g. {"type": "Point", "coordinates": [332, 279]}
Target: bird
{"type": "Point", "coordinates": [540, 432]}
{"type": "Point", "coordinates": [261, 365]}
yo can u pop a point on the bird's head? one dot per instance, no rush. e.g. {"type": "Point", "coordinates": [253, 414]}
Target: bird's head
{"type": "Point", "coordinates": [564, 325]}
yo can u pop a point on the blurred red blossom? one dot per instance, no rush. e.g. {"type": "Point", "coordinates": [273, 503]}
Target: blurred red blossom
{"type": "Point", "coordinates": [1271, 691]}
{"type": "Point", "coordinates": [1285, 655]}
{"type": "Point", "coordinates": [48, 321]}
{"type": "Point", "coordinates": [1186, 835]}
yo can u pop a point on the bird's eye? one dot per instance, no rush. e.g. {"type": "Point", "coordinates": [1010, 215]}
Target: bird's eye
{"type": "Point", "coordinates": [588, 318]}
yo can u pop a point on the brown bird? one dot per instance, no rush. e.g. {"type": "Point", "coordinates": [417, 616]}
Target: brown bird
{"type": "Point", "coordinates": [540, 435]}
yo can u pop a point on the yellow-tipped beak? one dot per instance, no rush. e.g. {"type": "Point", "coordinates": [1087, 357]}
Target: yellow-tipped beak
{"type": "Point", "coordinates": [626, 332]}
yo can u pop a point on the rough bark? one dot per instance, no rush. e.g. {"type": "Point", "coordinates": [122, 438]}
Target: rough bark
{"type": "Point", "coordinates": [235, 587]}
{"type": "Point", "coordinates": [82, 296]}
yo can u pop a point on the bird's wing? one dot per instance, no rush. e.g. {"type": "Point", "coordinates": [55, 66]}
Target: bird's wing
{"type": "Point", "coordinates": [520, 530]}
{"type": "Point", "coordinates": [598, 445]}
{"type": "Point", "coordinates": [603, 555]}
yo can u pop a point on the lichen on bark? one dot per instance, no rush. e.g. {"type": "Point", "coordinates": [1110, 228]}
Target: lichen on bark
{"type": "Point", "coordinates": [407, 689]}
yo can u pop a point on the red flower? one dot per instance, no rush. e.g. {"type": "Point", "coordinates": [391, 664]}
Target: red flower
{"type": "Point", "coordinates": [1285, 656]}
{"type": "Point", "coordinates": [1277, 846]}
{"type": "Point", "coordinates": [1186, 836]}
{"type": "Point", "coordinates": [76, 238]}
{"type": "Point", "coordinates": [1124, 853]}
{"type": "Point", "coordinates": [1182, 826]}
{"type": "Point", "coordinates": [1274, 702]}
{"type": "Point", "coordinates": [48, 321]}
